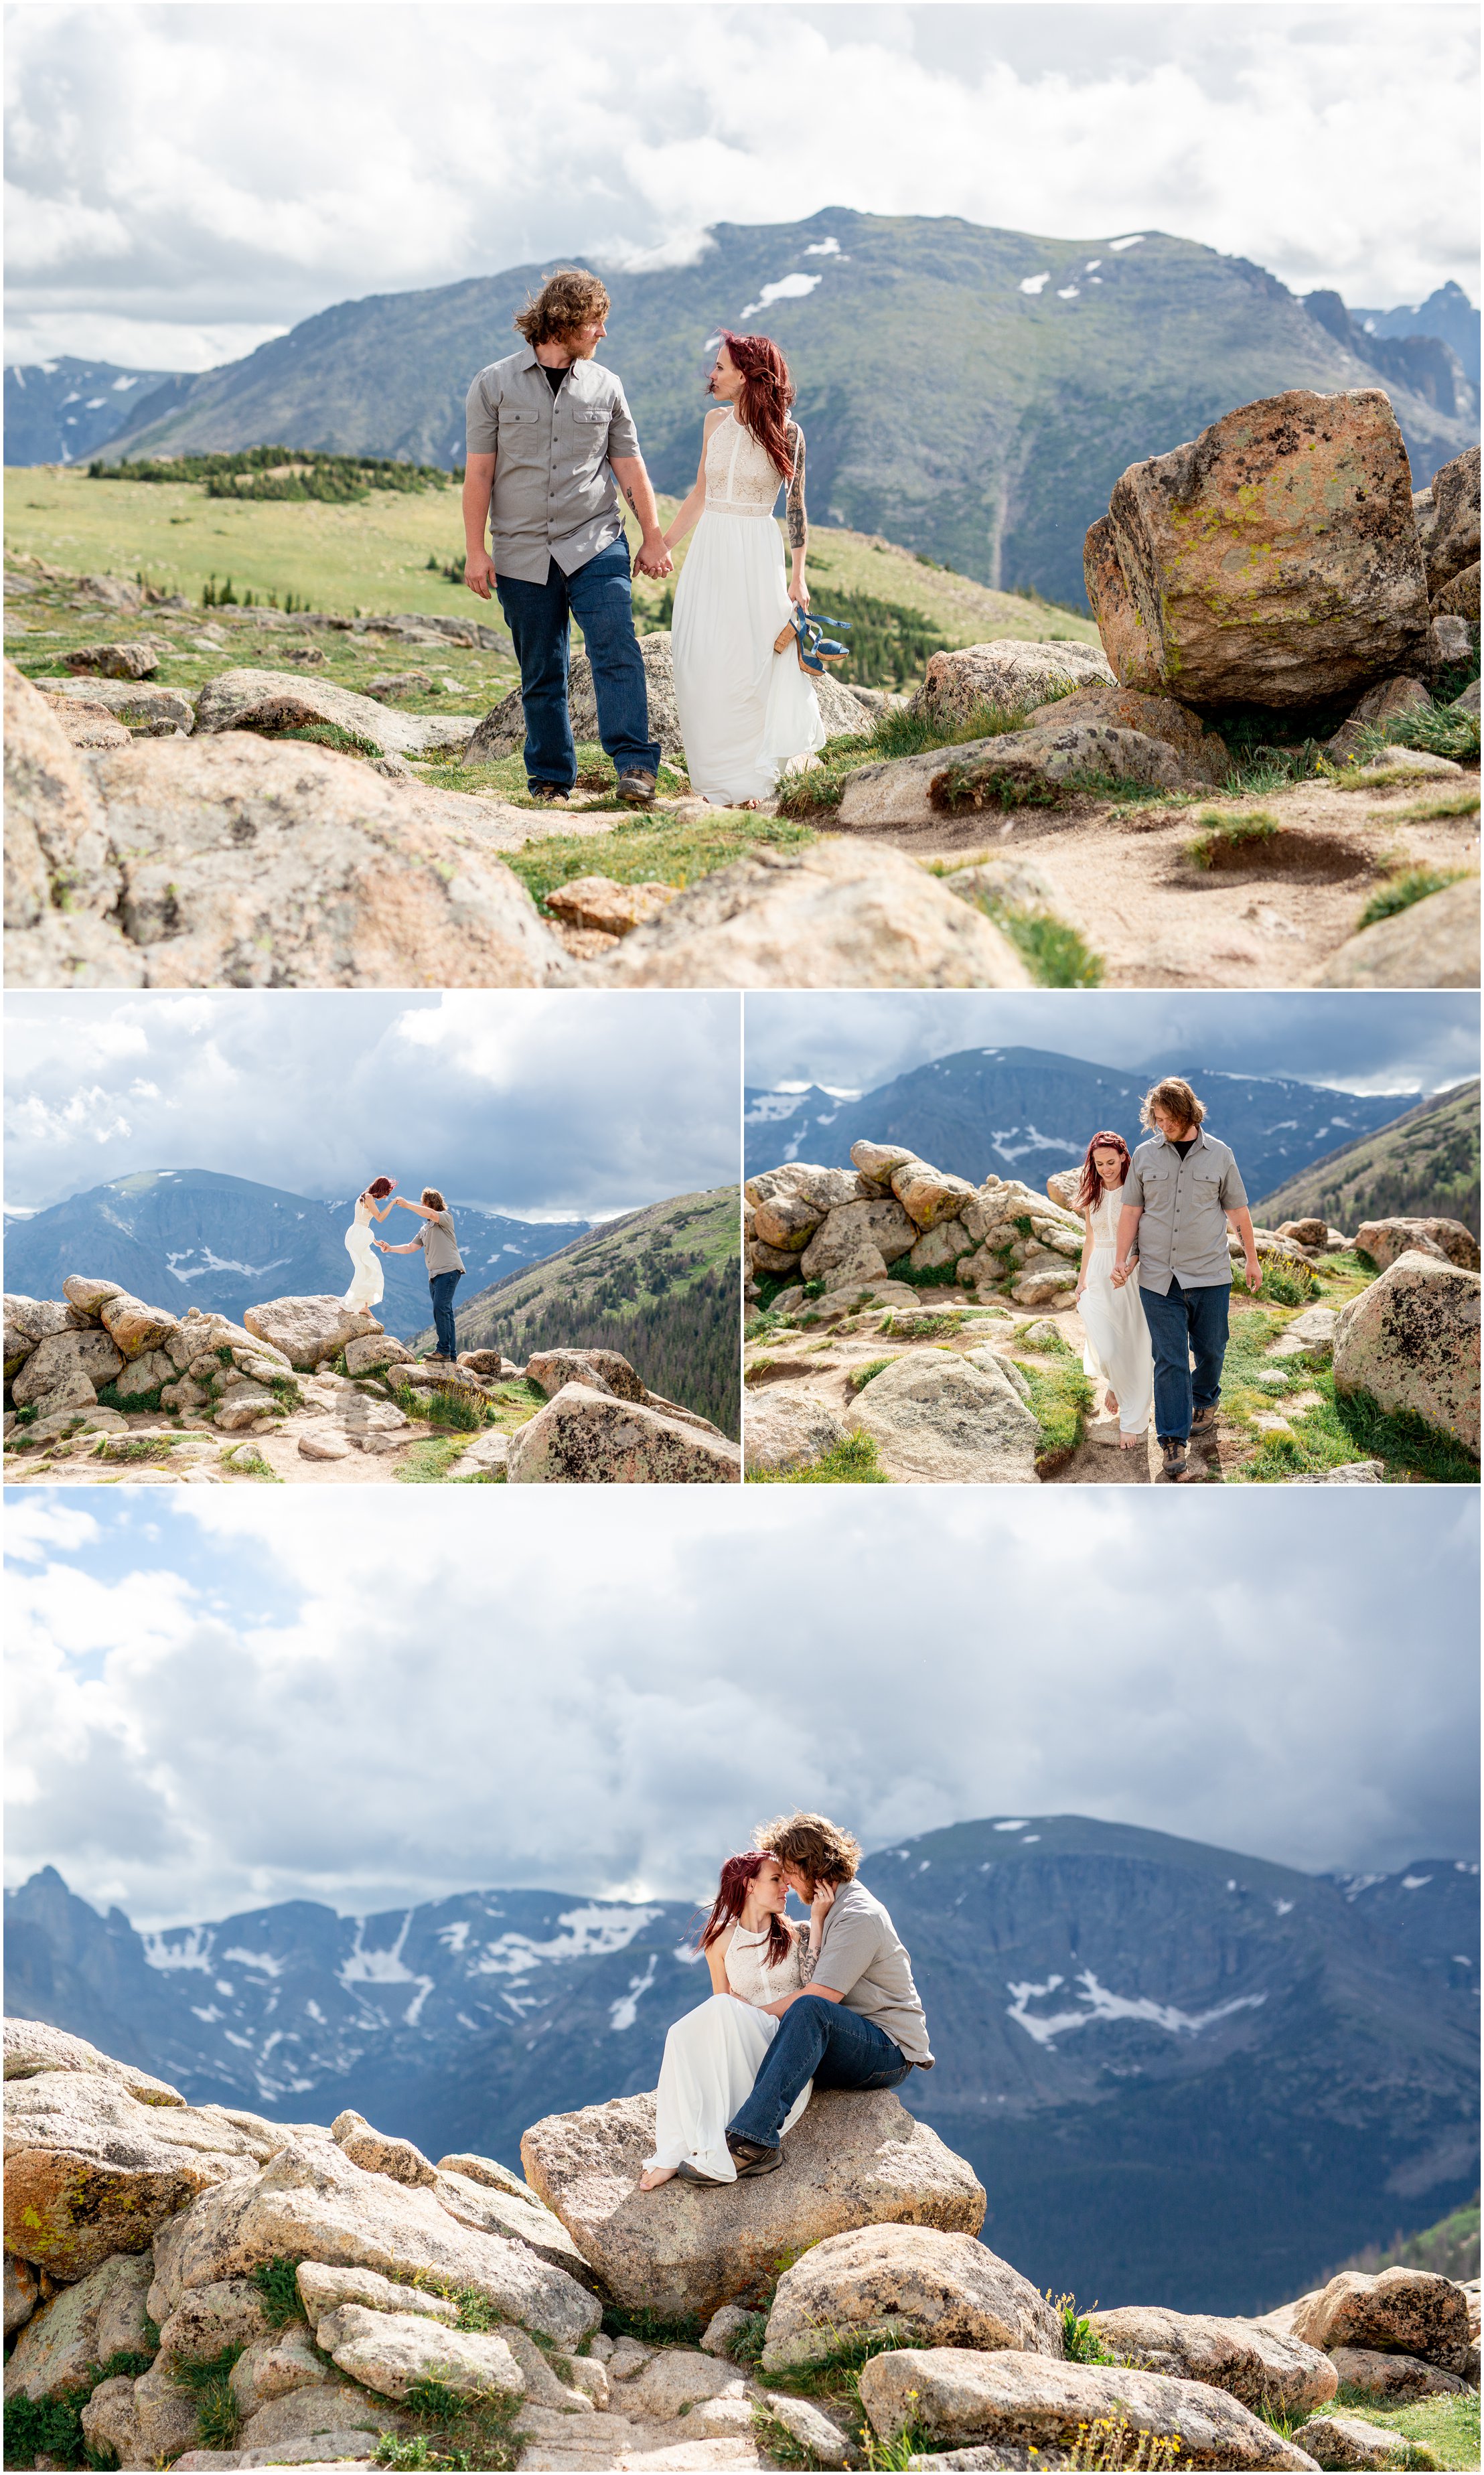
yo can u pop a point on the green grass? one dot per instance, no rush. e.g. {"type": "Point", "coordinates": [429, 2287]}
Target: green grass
{"type": "Point", "coordinates": [50, 2428]}
{"type": "Point", "coordinates": [1348, 1426]}
{"type": "Point", "coordinates": [851, 1463]}
{"type": "Point", "coordinates": [1222, 834]}
{"type": "Point", "coordinates": [1060, 1399]}
{"type": "Point", "coordinates": [1055, 954]}
{"type": "Point", "coordinates": [925, 1275]}
{"type": "Point", "coordinates": [1438, 730]}
{"type": "Point", "coordinates": [895, 734]}
{"type": "Point", "coordinates": [207, 2380]}
{"type": "Point", "coordinates": [860, 1376]}
{"type": "Point", "coordinates": [425, 1465]}
{"type": "Point", "coordinates": [133, 1448]}
{"type": "Point", "coordinates": [278, 2291]}
{"type": "Point", "coordinates": [320, 734]}
{"type": "Point", "coordinates": [460, 1410]}
{"type": "Point", "coordinates": [1452, 803]}
{"type": "Point", "coordinates": [1399, 893]}
{"type": "Point", "coordinates": [249, 1463]}
{"type": "Point", "coordinates": [644, 848]}
{"type": "Point", "coordinates": [1080, 2342]}
{"type": "Point", "coordinates": [653, 2328]}
{"type": "Point", "coordinates": [459, 2430]}
{"type": "Point", "coordinates": [1438, 2431]}
{"type": "Point", "coordinates": [1287, 1281]}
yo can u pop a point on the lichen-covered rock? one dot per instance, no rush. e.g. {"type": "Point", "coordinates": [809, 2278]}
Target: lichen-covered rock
{"type": "Point", "coordinates": [783, 1429]}
{"type": "Point", "coordinates": [323, 2290]}
{"type": "Point", "coordinates": [1347, 2440]}
{"type": "Point", "coordinates": [32, 2047]}
{"type": "Point", "coordinates": [1251, 2363]}
{"type": "Point", "coordinates": [146, 2422]}
{"type": "Point", "coordinates": [1271, 561]}
{"type": "Point", "coordinates": [1450, 527]}
{"type": "Point", "coordinates": [1393, 2380]}
{"type": "Point", "coordinates": [913, 2284]}
{"type": "Point", "coordinates": [22, 2293]}
{"type": "Point", "coordinates": [103, 2315]}
{"type": "Point", "coordinates": [955, 2397]}
{"type": "Point", "coordinates": [387, 2351]}
{"type": "Point", "coordinates": [134, 1327]}
{"type": "Point", "coordinates": [1460, 596]}
{"type": "Point", "coordinates": [1005, 770]}
{"type": "Point", "coordinates": [1400, 2311]}
{"type": "Point", "coordinates": [937, 1421]}
{"type": "Point", "coordinates": [854, 2158]}
{"type": "Point", "coordinates": [873, 1233]}
{"type": "Point", "coordinates": [496, 2209]}
{"type": "Point", "coordinates": [1383, 1240]}
{"type": "Point", "coordinates": [59, 868]}
{"type": "Point", "coordinates": [65, 1366]}
{"type": "Point", "coordinates": [376, 2154]}
{"type": "Point", "coordinates": [1008, 675]}
{"type": "Point", "coordinates": [273, 2366]}
{"type": "Point", "coordinates": [27, 1321]}
{"type": "Point", "coordinates": [584, 1437]}
{"type": "Point", "coordinates": [601, 1368]}
{"type": "Point", "coordinates": [1379, 705]}
{"type": "Point", "coordinates": [1412, 1342]}
{"type": "Point", "coordinates": [1204, 753]}
{"type": "Point", "coordinates": [243, 699]}
{"type": "Point", "coordinates": [309, 1332]}
{"type": "Point", "coordinates": [209, 2319]}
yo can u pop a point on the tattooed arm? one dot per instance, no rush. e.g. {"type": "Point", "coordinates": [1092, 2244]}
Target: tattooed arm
{"type": "Point", "coordinates": [798, 520]}
{"type": "Point", "coordinates": [652, 558]}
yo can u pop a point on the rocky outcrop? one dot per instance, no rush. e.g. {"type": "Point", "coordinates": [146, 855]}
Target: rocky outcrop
{"type": "Point", "coordinates": [1009, 675]}
{"type": "Point", "coordinates": [286, 700]}
{"type": "Point", "coordinates": [852, 2160]}
{"type": "Point", "coordinates": [1011, 769]}
{"type": "Point", "coordinates": [845, 1231]}
{"type": "Point", "coordinates": [1202, 753]}
{"type": "Point", "coordinates": [1447, 522]}
{"type": "Point", "coordinates": [938, 1420]}
{"type": "Point", "coordinates": [1383, 1240]}
{"type": "Point", "coordinates": [955, 2397]}
{"type": "Point", "coordinates": [103, 2315]}
{"type": "Point", "coordinates": [1400, 2311]}
{"type": "Point", "coordinates": [586, 1436]}
{"type": "Point", "coordinates": [786, 1431]}
{"type": "Point", "coordinates": [307, 1333]}
{"type": "Point", "coordinates": [915, 2285]}
{"type": "Point", "coordinates": [1273, 561]}
{"type": "Point", "coordinates": [1411, 1340]}
{"type": "Point", "coordinates": [1254, 2364]}
{"type": "Point", "coordinates": [1434, 944]}
{"type": "Point", "coordinates": [1346, 2441]}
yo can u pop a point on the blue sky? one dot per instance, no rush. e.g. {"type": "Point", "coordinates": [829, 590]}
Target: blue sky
{"type": "Point", "coordinates": [188, 180]}
{"type": "Point", "coordinates": [1375, 1042]}
{"type": "Point", "coordinates": [560, 1106]}
{"type": "Point", "coordinates": [373, 1697]}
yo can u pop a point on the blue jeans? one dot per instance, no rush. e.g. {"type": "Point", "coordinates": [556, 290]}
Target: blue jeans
{"type": "Point", "coordinates": [1182, 1323]}
{"type": "Point", "coordinates": [822, 2041]}
{"type": "Point", "coordinates": [442, 1285]}
{"type": "Point", "coordinates": [600, 597]}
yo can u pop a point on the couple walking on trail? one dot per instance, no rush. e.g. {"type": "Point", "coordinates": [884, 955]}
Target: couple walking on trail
{"type": "Point", "coordinates": [552, 446]}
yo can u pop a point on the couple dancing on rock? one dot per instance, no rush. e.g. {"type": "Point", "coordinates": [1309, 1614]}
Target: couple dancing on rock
{"type": "Point", "coordinates": [793, 2008]}
{"type": "Point", "coordinates": [437, 1242]}
{"type": "Point", "coordinates": [1162, 1211]}
{"type": "Point", "coordinates": [551, 446]}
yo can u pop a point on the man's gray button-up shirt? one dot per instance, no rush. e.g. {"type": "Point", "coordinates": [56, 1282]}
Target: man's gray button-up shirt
{"type": "Point", "coordinates": [1182, 1234]}
{"type": "Point", "coordinates": [554, 495]}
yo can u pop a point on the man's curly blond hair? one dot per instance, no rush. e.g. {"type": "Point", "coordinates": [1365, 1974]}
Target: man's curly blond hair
{"type": "Point", "coordinates": [1177, 1100]}
{"type": "Point", "coordinates": [567, 300]}
{"type": "Point", "coordinates": [811, 1846]}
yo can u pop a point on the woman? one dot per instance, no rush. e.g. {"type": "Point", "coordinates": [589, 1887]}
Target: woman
{"type": "Point", "coordinates": [746, 712]}
{"type": "Point", "coordinates": [713, 2055]}
{"type": "Point", "coordinates": [1118, 1351]}
{"type": "Point", "coordinates": [366, 1282]}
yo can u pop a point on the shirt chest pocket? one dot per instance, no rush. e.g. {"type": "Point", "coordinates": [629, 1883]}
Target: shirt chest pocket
{"type": "Point", "coordinates": [588, 433]}
{"type": "Point", "coordinates": [523, 439]}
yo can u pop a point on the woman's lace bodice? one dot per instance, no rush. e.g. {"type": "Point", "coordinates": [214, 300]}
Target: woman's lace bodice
{"type": "Point", "coordinates": [1110, 1204]}
{"type": "Point", "coordinates": [741, 478]}
{"type": "Point", "coordinates": [363, 1214]}
{"type": "Point", "coordinates": [748, 1974]}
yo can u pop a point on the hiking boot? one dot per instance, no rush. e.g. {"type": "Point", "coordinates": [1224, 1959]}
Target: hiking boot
{"type": "Point", "coordinates": [1176, 1469]}
{"type": "Point", "coordinates": [752, 2158]}
{"type": "Point", "coordinates": [686, 2172]}
{"type": "Point", "coordinates": [546, 791]}
{"type": "Point", "coordinates": [637, 788]}
{"type": "Point", "coordinates": [1204, 1423]}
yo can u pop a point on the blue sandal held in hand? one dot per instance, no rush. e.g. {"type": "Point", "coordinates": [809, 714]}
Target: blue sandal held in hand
{"type": "Point", "coordinates": [814, 649]}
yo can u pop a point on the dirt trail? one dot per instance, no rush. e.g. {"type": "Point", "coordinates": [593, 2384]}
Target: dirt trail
{"type": "Point", "coordinates": [1160, 922]}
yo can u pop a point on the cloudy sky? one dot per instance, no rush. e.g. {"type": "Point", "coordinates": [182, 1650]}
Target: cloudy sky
{"type": "Point", "coordinates": [228, 1700]}
{"type": "Point", "coordinates": [555, 1107]}
{"type": "Point", "coordinates": [1375, 1043]}
{"type": "Point", "coordinates": [187, 181]}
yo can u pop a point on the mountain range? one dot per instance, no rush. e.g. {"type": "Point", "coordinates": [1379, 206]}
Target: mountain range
{"type": "Point", "coordinates": [1183, 2075]}
{"type": "Point", "coordinates": [1422, 1163]}
{"type": "Point", "coordinates": [1448, 314]}
{"type": "Point", "coordinates": [195, 1238]}
{"type": "Point", "coordinates": [660, 1285]}
{"type": "Point", "coordinates": [967, 391]}
{"type": "Point", "coordinates": [1025, 1111]}
{"type": "Point", "coordinates": [62, 412]}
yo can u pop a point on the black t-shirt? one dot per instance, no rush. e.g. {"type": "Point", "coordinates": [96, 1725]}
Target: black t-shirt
{"type": "Point", "coordinates": [1188, 1146]}
{"type": "Point", "coordinates": [553, 377]}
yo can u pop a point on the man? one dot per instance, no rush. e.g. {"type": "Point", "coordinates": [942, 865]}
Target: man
{"type": "Point", "coordinates": [858, 2024]}
{"type": "Point", "coordinates": [445, 1266]}
{"type": "Point", "coordinates": [1182, 1192]}
{"type": "Point", "coordinates": [551, 443]}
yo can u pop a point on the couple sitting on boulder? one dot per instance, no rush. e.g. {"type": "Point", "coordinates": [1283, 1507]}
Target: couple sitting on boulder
{"type": "Point", "coordinates": [436, 1240]}
{"type": "Point", "coordinates": [1162, 1211]}
{"type": "Point", "coordinates": [793, 2007]}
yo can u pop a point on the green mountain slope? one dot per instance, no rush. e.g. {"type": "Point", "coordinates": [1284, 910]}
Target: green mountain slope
{"type": "Point", "coordinates": [1424, 1164]}
{"type": "Point", "coordinates": [661, 1287]}
{"type": "Point", "coordinates": [947, 406]}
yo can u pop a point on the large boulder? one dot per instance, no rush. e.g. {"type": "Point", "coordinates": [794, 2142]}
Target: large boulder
{"type": "Point", "coordinates": [32, 2046]}
{"type": "Point", "coordinates": [1449, 523]}
{"type": "Point", "coordinates": [90, 2170]}
{"type": "Point", "coordinates": [158, 712]}
{"type": "Point", "coordinates": [602, 1368]}
{"type": "Point", "coordinates": [1460, 596]}
{"type": "Point", "coordinates": [1013, 769]}
{"type": "Point", "coordinates": [60, 872]}
{"type": "Point", "coordinates": [1432, 945]}
{"type": "Point", "coordinates": [1271, 561]}
{"type": "Point", "coordinates": [1383, 703]}
{"type": "Point", "coordinates": [309, 1332]}
{"type": "Point", "coordinates": [955, 2397]}
{"type": "Point", "coordinates": [833, 915]}
{"type": "Point", "coordinates": [311, 2203]}
{"type": "Point", "coordinates": [783, 1429]}
{"type": "Point", "coordinates": [1008, 675]}
{"type": "Point", "coordinates": [493, 2209]}
{"type": "Point", "coordinates": [584, 1437]}
{"type": "Point", "coordinates": [145, 2423]}
{"type": "Point", "coordinates": [854, 2159]}
{"type": "Point", "coordinates": [1391, 2380]}
{"type": "Point", "coordinates": [387, 2351]}
{"type": "Point", "coordinates": [936, 1420]}
{"type": "Point", "coordinates": [66, 1366]}
{"type": "Point", "coordinates": [208, 2320]}
{"type": "Point", "coordinates": [912, 2284]}
{"type": "Point", "coordinates": [1399, 2311]}
{"type": "Point", "coordinates": [1204, 753]}
{"type": "Point", "coordinates": [855, 1243]}
{"type": "Point", "coordinates": [134, 1327]}
{"type": "Point", "coordinates": [928, 1195]}
{"type": "Point", "coordinates": [1252, 2362]}
{"type": "Point", "coordinates": [239, 863]}
{"type": "Point", "coordinates": [272, 700]}
{"type": "Point", "coordinates": [103, 2315]}
{"type": "Point", "coordinates": [1383, 1240]}
{"type": "Point", "coordinates": [1412, 1342]}
{"type": "Point", "coordinates": [27, 1321]}
{"type": "Point", "coordinates": [1348, 2441]}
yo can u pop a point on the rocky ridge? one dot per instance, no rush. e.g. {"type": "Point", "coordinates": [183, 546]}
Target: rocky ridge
{"type": "Point", "coordinates": [104, 1387]}
{"type": "Point", "coordinates": [205, 2287]}
{"type": "Point", "coordinates": [950, 1382]}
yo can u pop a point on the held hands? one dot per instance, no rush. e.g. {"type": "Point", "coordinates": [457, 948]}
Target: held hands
{"type": "Point", "coordinates": [1119, 1274]}
{"type": "Point", "coordinates": [651, 557]}
{"type": "Point", "coordinates": [478, 573]}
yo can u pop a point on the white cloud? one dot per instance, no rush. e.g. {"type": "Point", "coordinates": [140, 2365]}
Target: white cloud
{"type": "Point", "coordinates": [185, 174]}
{"type": "Point", "coordinates": [367, 1702]}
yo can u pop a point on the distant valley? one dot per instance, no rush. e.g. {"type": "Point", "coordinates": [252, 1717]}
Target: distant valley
{"type": "Point", "coordinates": [1023, 1113]}
{"type": "Point", "coordinates": [1182, 2074]}
{"type": "Point", "coordinates": [1059, 362]}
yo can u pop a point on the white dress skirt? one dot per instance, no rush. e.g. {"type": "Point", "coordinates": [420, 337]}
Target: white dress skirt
{"type": "Point", "coordinates": [745, 713]}
{"type": "Point", "coordinates": [713, 2056]}
{"type": "Point", "coordinates": [366, 1281]}
{"type": "Point", "coordinates": [1118, 1353]}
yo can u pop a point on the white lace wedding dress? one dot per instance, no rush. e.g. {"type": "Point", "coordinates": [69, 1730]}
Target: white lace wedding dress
{"type": "Point", "coordinates": [712, 2057]}
{"type": "Point", "coordinates": [1118, 1353]}
{"type": "Point", "coordinates": [745, 711]}
{"type": "Point", "coordinates": [366, 1282]}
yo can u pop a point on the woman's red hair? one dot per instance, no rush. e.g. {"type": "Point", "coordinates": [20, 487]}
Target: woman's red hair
{"type": "Point", "coordinates": [738, 1875]}
{"type": "Point", "coordinates": [380, 1186]}
{"type": "Point", "coordinates": [1090, 1193]}
{"type": "Point", "coordinates": [767, 393]}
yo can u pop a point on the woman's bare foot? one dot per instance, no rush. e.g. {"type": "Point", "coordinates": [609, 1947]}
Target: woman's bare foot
{"type": "Point", "coordinates": [1110, 1403]}
{"type": "Point", "coordinates": [653, 2175]}
{"type": "Point", "coordinates": [1130, 1443]}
